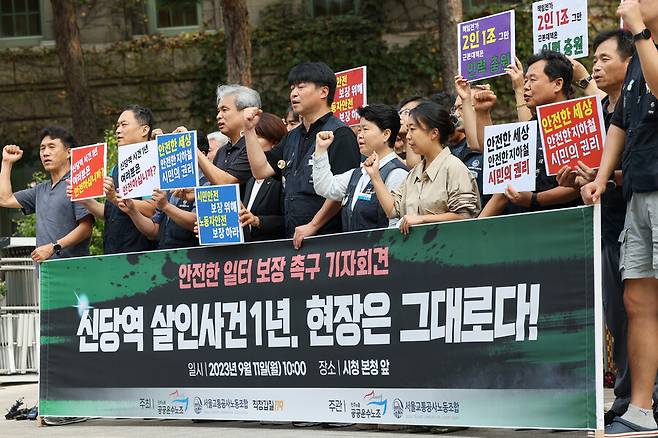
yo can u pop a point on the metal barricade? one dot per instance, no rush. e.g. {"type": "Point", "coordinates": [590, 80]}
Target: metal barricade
{"type": "Point", "coordinates": [19, 313]}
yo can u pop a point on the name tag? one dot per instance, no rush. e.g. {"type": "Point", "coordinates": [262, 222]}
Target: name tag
{"type": "Point", "coordinates": [364, 197]}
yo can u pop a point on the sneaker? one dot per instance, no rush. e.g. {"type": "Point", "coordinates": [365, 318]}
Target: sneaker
{"type": "Point", "coordinates": [624, 428]}
{"type": "Point", "coordinates": [61, 421]}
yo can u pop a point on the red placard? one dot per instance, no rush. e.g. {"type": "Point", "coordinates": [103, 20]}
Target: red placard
{"type": "Point", "coordinates": [87, 171]}
{"type": "Point", "coordinates": [572, 131]}
{"type": "Point", "coordinates": [350, 94]}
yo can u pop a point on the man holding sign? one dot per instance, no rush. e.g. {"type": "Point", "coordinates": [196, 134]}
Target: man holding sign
{"type": "Point", "coordinates": [120, 234]}
{"type": "Point", "coordinates": [63, 227]}
{"type": "Point", "coordinates": [548, 80]}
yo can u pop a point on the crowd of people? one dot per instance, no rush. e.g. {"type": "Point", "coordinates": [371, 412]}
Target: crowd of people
{"type": "Point", "coordinates": [307, 173]}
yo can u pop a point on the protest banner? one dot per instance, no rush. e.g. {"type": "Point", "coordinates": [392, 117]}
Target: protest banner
{"type": "Point", "coordinates": [365, 327]}
{"type": "Point", "coordinates": [561, 26]}
{"type": "Point", "coordinates": [351, 93]}
{"type": "Point", "coordinates": [572, 131]}
{"type": "Point", "coordinates": [138, 169]}
{"type": "Point", "coordinates": [217, 210]}
{"type": "Point", "coordinates": [486, 46]}
{"type": "Point", "coordinates": [88, 168]}
{"type": "Point", "coordinates": [177, 160]}
{"type": "Point", "coordinates": [510, 157]}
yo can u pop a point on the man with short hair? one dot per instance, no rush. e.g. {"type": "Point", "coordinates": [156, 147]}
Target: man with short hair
{"type": "Point", "coordinates": [63, 227]}
{"type": "Point", "coordinates": [120, 235]}
{"type": "Point", "coordinates": [613, 50]}
{"type": "Point", "coordinates": [231, 165]}
{"type": "Point", "coordinates": [632, 139]}
{"type": "Point", "coordinates": [402, 147]}
{"type": "Point", "coordinates": [216, 141]}
{"type": "Point", "coordinates": [312, 88]}
{"type": "Point", "coordinates": [547, 80]}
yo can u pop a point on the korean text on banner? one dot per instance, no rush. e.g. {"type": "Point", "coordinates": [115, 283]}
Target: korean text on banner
{"type": "Point", "coordinates": [351, 93]}
{"type": "Point", "coordinates": [486, 46]}
{"type": "Point", "coordinates": [138, 169]}
{"type": "Point", "coordinates": [177, 159]}
{"type": "Point", "coordinates": [510, 157]}
{"type": "Point", "coordinates": [88, 168]}
{"type": "Point", "coordinates": [572, 131]}
{"type": "Point", "coordinates": [561, 26]}
{"type": "Point", "coordinates": [217, 210]}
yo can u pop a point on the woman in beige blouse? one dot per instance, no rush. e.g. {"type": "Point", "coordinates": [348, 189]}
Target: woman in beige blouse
{"type": "Point", "coordinates": [440, 188]}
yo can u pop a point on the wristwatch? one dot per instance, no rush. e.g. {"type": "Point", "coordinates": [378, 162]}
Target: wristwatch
{"type": "Point", "coordinates": [584, 83]}
{"type": "Point", "coordinates": [57, 248]}
{"type": "Point", "coordinates": [644, 35]}
{"type": "Point", "coordinates": [610, 185]}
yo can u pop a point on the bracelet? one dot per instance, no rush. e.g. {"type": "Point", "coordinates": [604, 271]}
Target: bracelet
{"type": "Point", "coordinates": [521, 105]}
{"type": "Point", "coordinates": [534, 202]}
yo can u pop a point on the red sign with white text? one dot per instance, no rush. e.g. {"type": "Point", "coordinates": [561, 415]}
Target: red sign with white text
{"type": "Point", "coordinates": [572, 131]}
{"type": "Point", "coordinates": [87, 171]}
{"type": "Point", "coordinates": [350, 95]}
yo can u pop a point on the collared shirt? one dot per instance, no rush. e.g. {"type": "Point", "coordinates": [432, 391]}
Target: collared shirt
{"type": "Point", "coordinates": [170, 234]}
{"type": "Point", "coordinates": [57, 216]}
{"type": "Point", "coordinates": [445, 186]}
{"type": "Point", "coordinates": [343, 152]}
{"type": "Point", "coordinates": [233, 160]}
{"type": "Point", "coordinates": [334, 187]}
{"type": "Point", "coordinates": [473, 160]}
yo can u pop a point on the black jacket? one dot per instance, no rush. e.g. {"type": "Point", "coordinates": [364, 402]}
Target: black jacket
{"type": "Point", "coordinates": [268, 206]}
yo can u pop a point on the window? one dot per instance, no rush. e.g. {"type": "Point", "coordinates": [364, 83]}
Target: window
{"type": "Point", "coordinates": [333, 7]}
{"type": "Point", "coordinates": [177, 13]}
{"type": "Point", "coordinates": [20, 18]}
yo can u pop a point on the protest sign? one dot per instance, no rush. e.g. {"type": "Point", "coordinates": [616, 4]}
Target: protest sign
{"type": "Point", "coordinates": [510, 157]}
{"type": "Point", "coordinates": [486, 46]}
{"type": "Point", "coordinates": [138, 169]}
{"type": "Point", "coordinates": [351, 93]}
{"type": "Point", "coordinates": [177, 160]}
{"type": "Point", "coordinates": [572, 131]}
{"type": "Point", "coordinates": [561, 26]}
{"type": "Point", "coordinates": [217, 210]}
{"type": "Point", "coordinates": [88, 168]}
{"type": "Point", "coordinates": [350, 328]}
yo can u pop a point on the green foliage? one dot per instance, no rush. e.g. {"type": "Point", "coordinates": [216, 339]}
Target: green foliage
{"type": "Point", "coordinates": [3, 289]}
{"type": "Point", "coordinates": [342, 41]}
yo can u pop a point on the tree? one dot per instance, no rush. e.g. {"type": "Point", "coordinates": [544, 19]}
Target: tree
{"type": "Point", "coordinates": [69, 51]}
{"type": "Point", "coordinates": [450, 14]}
{"type": "Point", "coordinates": [238, 41]}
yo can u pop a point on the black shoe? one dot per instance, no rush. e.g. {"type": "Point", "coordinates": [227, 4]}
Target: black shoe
{"type": "Point", "coordinates": [609, 416]}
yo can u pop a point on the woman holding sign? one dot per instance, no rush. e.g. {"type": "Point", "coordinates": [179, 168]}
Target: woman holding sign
{"type": "Point", "coordinates": [440, 188]}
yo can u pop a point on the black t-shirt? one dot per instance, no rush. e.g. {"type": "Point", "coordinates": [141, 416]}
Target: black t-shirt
{"type": "Point", "coordinates": [120, 233]}
{"type": "Point", "coordinates": [343, 152]}
{"type": "Point", "coordinates": [233, 160]}
{"type": "Point", "coordinates": [637, 114]}
{"type": "Point", "coordinates": [613, 205]}
{"type": "Point", "coordinates": [543, 183]}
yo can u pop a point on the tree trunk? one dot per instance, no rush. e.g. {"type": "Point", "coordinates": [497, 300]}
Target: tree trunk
{"type": "Point", "coordinates": [69, 50]}
{"type": "Point", "coordinates": [238, 42]}
{"type": "Point", "coordinates": [450, 14]}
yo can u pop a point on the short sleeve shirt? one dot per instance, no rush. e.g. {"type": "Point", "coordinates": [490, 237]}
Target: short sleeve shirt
{"type": "Point", "coordinates": [233, 160]}
{"type": "Point", "coordinates": [57, 216]}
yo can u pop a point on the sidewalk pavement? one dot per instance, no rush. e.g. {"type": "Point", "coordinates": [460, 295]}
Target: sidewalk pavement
{"type": "Point", "coordinates": [130, 428]}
